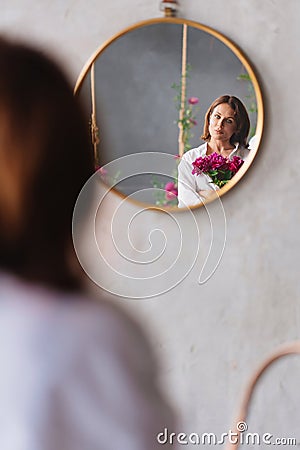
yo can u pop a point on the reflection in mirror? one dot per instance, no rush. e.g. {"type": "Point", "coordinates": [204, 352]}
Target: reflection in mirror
{"type": "Point", "coordinates": [149, 89]}
{"type": "Point", "coordinates": [214, 163]}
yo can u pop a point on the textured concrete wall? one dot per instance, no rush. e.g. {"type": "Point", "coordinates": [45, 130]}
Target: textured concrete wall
{"type": "Point", "coordinates": [210, 337]}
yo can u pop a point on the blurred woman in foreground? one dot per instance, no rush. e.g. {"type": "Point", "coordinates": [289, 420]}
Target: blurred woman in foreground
{"type": "Point", "coordinates": [75, 374]}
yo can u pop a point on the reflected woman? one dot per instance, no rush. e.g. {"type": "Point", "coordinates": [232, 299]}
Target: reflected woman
{"type": "Point", "coordinates": [225, 132]}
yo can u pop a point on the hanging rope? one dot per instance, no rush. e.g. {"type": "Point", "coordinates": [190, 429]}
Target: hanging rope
{"type": "Point", "coordinates": [94, 127]}
{"type": "Point", "coordinates": [183, 90]}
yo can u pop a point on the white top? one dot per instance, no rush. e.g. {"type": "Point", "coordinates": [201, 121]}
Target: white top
{"type": "Point", "coordinates": [75, 374]}
{"type": "Point", "coordinates": [189, 185]}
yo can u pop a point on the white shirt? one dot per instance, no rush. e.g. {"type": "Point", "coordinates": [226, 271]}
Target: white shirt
{"type": "Point", "coordinates": [189, 185]}
{"type": "Point", "coordinates": [75, 374]}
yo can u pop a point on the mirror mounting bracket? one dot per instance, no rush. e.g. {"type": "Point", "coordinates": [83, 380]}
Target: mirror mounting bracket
{"type": "Point", "coordinates": [170, 7]}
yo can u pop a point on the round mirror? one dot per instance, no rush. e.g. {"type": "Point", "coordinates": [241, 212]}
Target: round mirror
{"type": "Point", "coordinates": [148, 90]}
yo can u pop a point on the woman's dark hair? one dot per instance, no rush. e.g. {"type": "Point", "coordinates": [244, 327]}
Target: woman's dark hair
{"type": "Point", "coordinates": [45, 159]}
{"type": "Point", "coordinates": [240, 115]}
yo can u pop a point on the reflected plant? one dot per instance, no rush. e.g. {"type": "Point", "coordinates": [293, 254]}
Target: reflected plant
{"type": "Point", "coordinates": [110, 180]}
{"type": "Point", "coordinates": [187, 118]}
{"type": "Point", "coordinates": [250, 98]}
{"type": "Point", "coordinates": [166, 194]}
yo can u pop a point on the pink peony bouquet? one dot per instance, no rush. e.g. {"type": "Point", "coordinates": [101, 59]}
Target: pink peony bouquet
{"type": "Point", "coordinates": [220, 169]}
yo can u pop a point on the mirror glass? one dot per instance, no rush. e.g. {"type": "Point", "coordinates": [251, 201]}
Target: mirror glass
{"type": "Point", "coordinates": [148, 89]}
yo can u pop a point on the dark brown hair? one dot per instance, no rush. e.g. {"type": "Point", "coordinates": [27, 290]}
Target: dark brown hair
{"type": "Point", "coordinates": [240, 115]}
{"type": "Point", "coordinates": [45, 159]}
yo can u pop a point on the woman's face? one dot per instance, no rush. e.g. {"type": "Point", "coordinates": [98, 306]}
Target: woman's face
{"type": "Point", "coordinates": [222, 124]}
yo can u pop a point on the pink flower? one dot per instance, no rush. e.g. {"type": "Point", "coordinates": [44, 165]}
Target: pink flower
{"type": "Point", "coordinates": [193, 100]}
{"type": "Point", "coordinates": [193, 121]}
{"type": "Point", "coordinates": [235, 164]}
{"type": "Point", "coordinates": [170, 186]}
{"type": "Point", "coordinates": [101, 170]}
{"type": "Point", "coordinates": [171, 190]}
{"type": "Point", "coordinates": [220, 169]}
{"type": "Point", "coordinates": [171, 195]}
